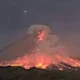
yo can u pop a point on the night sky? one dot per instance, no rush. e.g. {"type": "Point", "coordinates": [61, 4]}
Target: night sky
{"type": "Point", "coordinates": [62, 16]}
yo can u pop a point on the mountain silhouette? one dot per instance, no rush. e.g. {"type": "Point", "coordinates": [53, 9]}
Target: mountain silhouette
{"type": "Point", "coordinates": [18, 48]}
{"type": "Point", "coordinates": [19, 73]}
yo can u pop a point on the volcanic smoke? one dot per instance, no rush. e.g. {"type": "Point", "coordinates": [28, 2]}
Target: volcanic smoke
{"type": "Point", "coordinates": [47, 51]}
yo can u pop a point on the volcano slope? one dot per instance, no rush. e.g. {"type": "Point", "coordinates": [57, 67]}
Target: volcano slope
{"type": "Point", "coordinates": [19, 73]}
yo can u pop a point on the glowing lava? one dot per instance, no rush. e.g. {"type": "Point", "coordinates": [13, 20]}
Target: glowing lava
{"type": "Point", "coordinates": [41, 36]}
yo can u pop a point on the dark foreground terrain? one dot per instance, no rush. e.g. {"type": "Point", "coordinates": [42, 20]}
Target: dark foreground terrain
{"type": "Point", "coordinates": [19, 73]}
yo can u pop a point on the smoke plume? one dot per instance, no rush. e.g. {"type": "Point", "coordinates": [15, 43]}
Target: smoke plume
{"type": "Point", "coordinates": [48, 42]}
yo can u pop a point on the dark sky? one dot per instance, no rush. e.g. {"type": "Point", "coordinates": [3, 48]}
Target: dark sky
{"type": "Point", "coordinates": [63, 16]}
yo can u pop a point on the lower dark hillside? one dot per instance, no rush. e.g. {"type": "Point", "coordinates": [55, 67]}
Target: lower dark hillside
{"type": "Point", "coordinates": [19, 73]}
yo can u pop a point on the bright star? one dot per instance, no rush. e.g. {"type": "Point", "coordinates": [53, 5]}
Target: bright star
{"type": "Point", "coordinates": [25, 11]}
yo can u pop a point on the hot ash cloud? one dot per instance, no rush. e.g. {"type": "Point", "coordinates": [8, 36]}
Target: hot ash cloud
{"type": "Point", "coordinates": [38, 28]}
{"type": "Point", "coordinates": [48, 43]}
{"type": "Point", "coordinates": [48, 50]}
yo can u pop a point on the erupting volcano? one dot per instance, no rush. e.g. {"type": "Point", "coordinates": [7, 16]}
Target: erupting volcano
{"type": "Point", "coordinates": [47, 51]}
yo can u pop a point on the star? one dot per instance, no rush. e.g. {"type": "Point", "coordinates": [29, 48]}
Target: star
{"type": "Point", "coordinates": [25, 11]}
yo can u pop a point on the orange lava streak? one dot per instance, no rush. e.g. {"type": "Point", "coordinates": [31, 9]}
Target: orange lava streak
{"type": "Point", "coordinates": [41, 35]}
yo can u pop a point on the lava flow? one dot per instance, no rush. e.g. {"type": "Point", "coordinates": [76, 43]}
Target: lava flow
{"type": "Point", "coordinates": [47, 52]}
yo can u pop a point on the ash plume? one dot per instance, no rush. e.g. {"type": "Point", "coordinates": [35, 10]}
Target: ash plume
{"type": "Point", "coordinates": [50, 43]}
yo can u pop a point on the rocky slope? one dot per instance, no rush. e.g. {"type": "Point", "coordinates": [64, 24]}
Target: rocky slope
{"type": "Point", "coordinates": [19, 73]}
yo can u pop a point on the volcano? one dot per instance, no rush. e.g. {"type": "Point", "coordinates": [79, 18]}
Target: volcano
{"type": "Point", "coordinates": [41, 49]}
